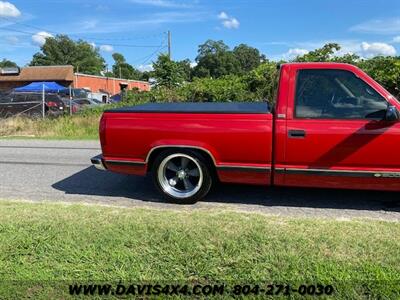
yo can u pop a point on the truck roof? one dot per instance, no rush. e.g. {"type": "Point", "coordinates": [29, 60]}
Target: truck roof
{"type": "Point", "coordinates": [319, 64]}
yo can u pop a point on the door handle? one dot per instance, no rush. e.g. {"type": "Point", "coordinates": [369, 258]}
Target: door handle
{"type": "Point", "coordinates": [299, 134]}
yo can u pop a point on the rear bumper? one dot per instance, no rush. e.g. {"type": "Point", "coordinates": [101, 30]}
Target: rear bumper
{"type": "Point", "coordinates": [98, 162]}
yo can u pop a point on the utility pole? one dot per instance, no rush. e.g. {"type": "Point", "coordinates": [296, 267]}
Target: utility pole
{"type": "Point", "coordinates": [120, 73]}
{"type": "Point", "coordinates": [169, 44]}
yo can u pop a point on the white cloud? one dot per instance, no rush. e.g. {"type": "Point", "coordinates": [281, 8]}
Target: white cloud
{"type": "Point", "coordinates": [396, 39]}
{"type": "Point", "coordinates": [8, 9]}
{"type": "Point", "coordinates": [362, 49]}
{"type": "Point", "coordinates": [93, 45]}
{"type": "Point", "coordinates": [146, 21]}
{"type": "Point", "coordinates": [145, 68]}
{"type": "Point", "coordinates": [39, 38]}
{"type": "Point", "coordinates": [294, 52]}
{"type": "Point", "coordinates": [228, 21]}
{"type": "Point", "coordinates": [375, 49]}
{"type": "Point", "coordinates": [193, 64]}
{"type": "Point", "coordinates": [383, 26]}
{"type": "Point", "coordinates": [232, 23]}
{"type": "Point", "coordinates": [89, 24]}
{"type": "Point", "coordinates": [106, 48]}
{"type": "Point", "coordinates": [161, 3]}
{"type": "Point", "coordinates": [13, 40]}
{"type": "Point", "coordinates": [223, 15]}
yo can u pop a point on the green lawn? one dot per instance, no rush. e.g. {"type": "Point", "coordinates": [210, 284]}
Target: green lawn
{"type": "Point", "coordinates": [44, 246]}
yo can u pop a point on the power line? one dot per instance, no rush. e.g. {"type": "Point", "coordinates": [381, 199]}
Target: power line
{"type": "Point", "coordinates": [82, 36]}
{"type": "Point", "coordinates": [166, 35]}
{"type": "Point", "coordinates": [151, 56]}
{"type": "Point", "coordinates": [16, 30]}
{"type": "Point", "coordinates": [115, 45]}
{"type": "Point", "coordinates": [169, 44]}
{"type": "Point", "coordinates": [136, 46]}
{"type": "Point", "coordinates": [121, 39]}
{"type": "Point", "coordinates": [146, 58]}
{"type": "Point", "coordinates": [23, 24]}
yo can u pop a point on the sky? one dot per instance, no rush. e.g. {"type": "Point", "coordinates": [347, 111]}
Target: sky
{"type": "Point", "coordinates": [280, 29]}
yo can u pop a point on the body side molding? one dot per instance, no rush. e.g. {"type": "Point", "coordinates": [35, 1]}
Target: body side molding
{"type": "Point", "coordinates": [344, 173]}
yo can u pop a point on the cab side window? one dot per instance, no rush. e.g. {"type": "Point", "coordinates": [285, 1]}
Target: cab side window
{"type": "Point", "coordinates": [336, 94]}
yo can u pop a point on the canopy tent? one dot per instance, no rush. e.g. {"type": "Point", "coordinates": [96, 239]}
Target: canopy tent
{"type": "Point", "coordinates": [47, 86]}
{"type": "Point", "coordinates": [43, 87]}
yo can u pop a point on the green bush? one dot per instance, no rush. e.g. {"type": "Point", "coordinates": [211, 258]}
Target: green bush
{"type": "Point", "coordinates": [385, 70]}
{"type": "Point", "coordinates": [263, 81]}
{"type": "Point", "coordinates": [158, 94]}
{"type": "Point", "coordinates": [226, 88]}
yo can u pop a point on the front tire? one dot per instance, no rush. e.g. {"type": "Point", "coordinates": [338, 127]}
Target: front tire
{"type": "Point", "coordinates": [181, 176]}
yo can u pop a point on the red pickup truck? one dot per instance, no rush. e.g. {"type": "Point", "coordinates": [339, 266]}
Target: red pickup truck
{"type": "Point", "coordinates": [332, 126]}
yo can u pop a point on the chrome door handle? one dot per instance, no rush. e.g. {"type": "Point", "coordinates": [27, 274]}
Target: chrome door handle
{"type": "Point", "coordinates": [299, 134]}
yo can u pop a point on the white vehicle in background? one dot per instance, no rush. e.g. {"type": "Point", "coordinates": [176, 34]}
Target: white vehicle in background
{"type": "Point", "coordinates": [76, 93]}
{"type": "Point", "coordinates": [99, 96]}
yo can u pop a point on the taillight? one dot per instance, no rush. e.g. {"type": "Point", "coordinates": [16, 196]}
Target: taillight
{"type": "Point", "coordinates": [51, 104]}
{"type": "Point", "coordinates": [102, 131]}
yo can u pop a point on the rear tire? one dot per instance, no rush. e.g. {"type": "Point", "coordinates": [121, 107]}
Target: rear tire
{"type": "Point", "coordinates": [181, 176]}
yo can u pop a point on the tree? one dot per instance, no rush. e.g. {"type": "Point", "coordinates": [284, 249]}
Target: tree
{"type": "Point", "coordinates": [5, 63]}
{"type": "Point", "coordinates": [348, 58]}
{"type": "Point", "coordinates": [225, 88]}
{"type": "Point", "coordinates": [186, 67]}
{"type": "Point", "coordinates": [263, 81]}
{"type": "Point", "coordinates": [215, 60]}
{"type": "Point", "coordinates": [319, 55]}
{"type": "Point", "coordinates": [211, 47]}
{"type": "Point", "coordinates": [328, 53]}
{"type": "Point", "coordinates": [61, 50]}
{"type": "Point", "coordinates": [168, 73]}
{"type": "Point", "coordinates": [146, 75]}
{"type": "Point", "coordinates": [385, 70]}
{"type": "Point", "coordinates": [249, 58]}
{"type": "Point", "coordinates": [122, 69]}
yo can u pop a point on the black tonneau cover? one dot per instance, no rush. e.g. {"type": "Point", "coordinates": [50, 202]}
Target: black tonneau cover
{"type": "Point", "coordinates": [198, 107]}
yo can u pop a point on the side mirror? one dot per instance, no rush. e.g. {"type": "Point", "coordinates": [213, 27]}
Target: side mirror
{"type": "Point", "coordinates": [392, 114]}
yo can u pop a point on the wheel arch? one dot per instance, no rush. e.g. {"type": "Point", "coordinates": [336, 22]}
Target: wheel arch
{"type": "Point", "coordinates": [205, 153]}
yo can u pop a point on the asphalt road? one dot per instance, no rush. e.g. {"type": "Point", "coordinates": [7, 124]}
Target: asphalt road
{"type": "Point", "coordinates": [60, 171]}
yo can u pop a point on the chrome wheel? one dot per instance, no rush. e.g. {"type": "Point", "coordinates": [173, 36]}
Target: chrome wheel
{"type": "Point", "coordinates": [180, 175]}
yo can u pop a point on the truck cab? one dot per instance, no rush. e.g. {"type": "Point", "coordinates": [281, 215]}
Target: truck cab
{"type": "Point", "coordinates": [335, 127]}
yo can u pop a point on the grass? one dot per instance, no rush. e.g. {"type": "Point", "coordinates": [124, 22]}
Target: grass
{"type": "Point", "coordinates": [75, 127]}
{"type": "Point", "coordinates": [83, 125]}
{"type": "Point", "coordinates": [45, 245]}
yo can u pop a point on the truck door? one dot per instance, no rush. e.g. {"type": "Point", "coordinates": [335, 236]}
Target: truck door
{"type": "Point", "coordinates": [337, 135]}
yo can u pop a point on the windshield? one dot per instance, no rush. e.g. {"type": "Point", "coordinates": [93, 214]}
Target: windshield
{"type": "Point", "coordinates": [80, 93]}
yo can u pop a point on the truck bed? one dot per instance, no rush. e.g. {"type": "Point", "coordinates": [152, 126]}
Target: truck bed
{"type": "Point", "coordinates": [237, 137]}
{"type": "Point", "coordinates": [198, 107]}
